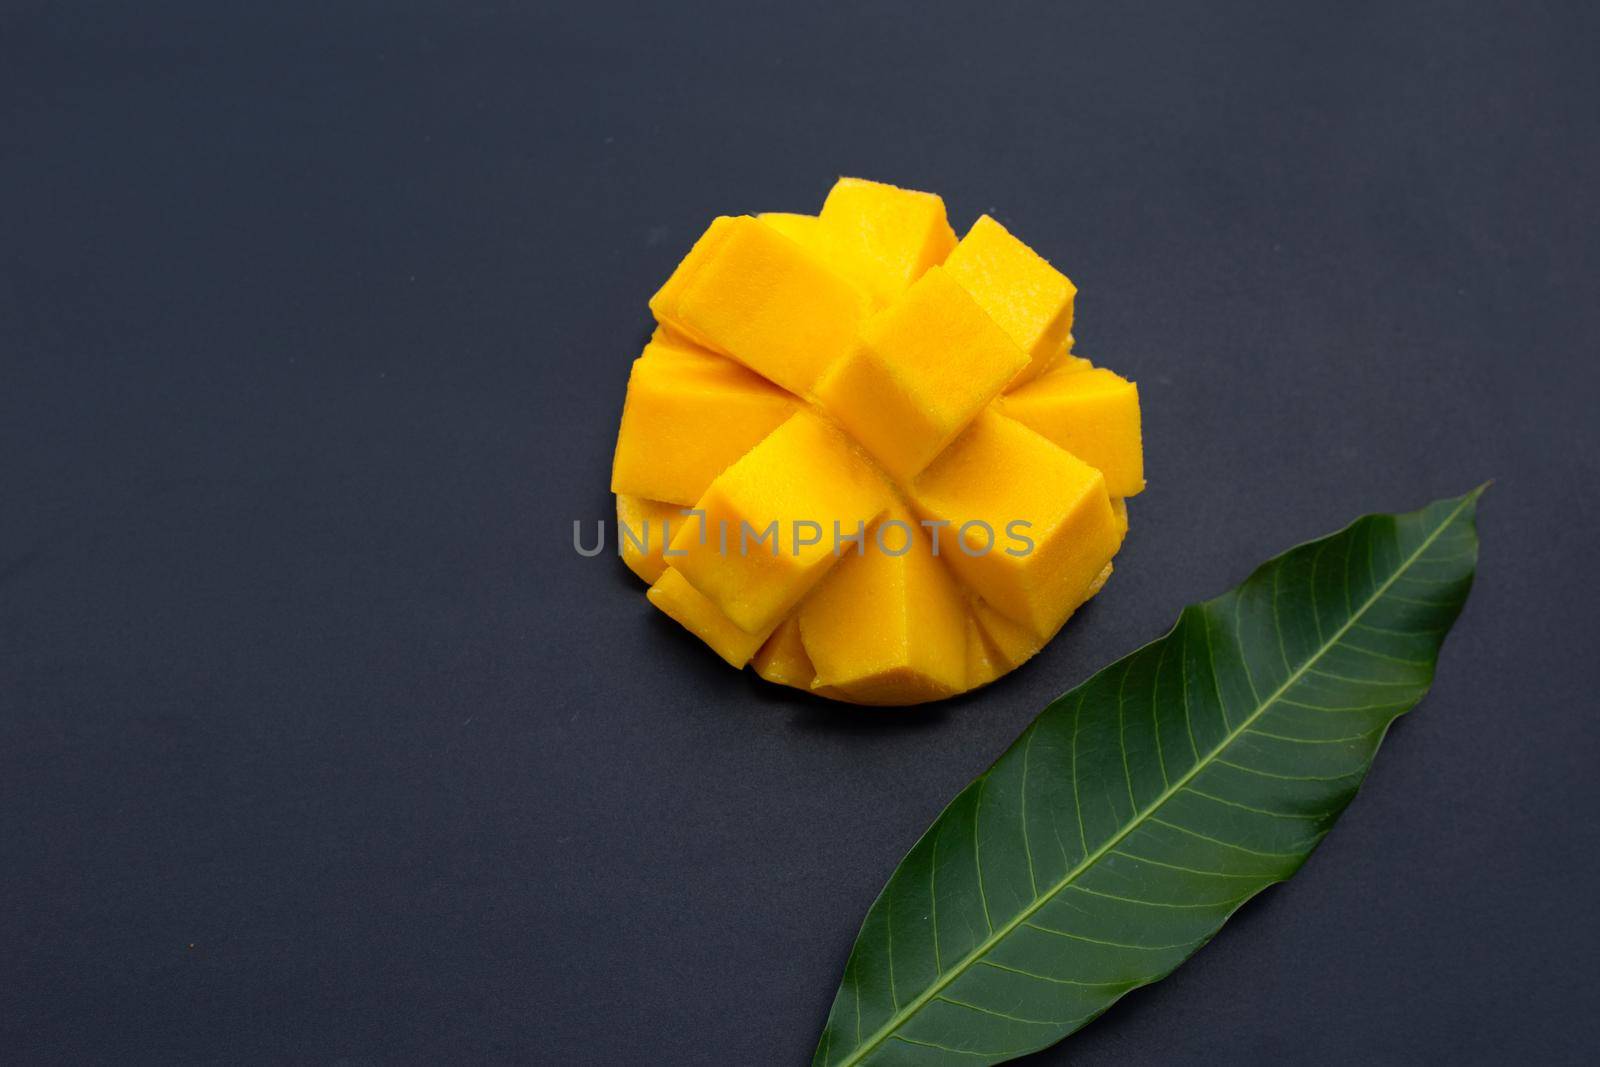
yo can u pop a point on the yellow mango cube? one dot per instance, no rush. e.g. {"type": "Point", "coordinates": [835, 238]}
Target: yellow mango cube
{"type": "Point", "coordinates": [888, 625]}
{"type": "Point", "coordinates": [680, 600]}
{"type": "Point", "coordinates": [1010, 643]}
{"type": "Point", "coordinates": [982, 666]}
{"type": "Point", "coordinates": [897, 233]}
{"type": "Point", "coordinates": [687, 417]}
{"type": "Point", "coordinates": [859, 374]}
{"type": "Point", "coordinates": [1094, 414]}
{"type": "Point", "coordinates": [664, 303]}
{"type": "Point", "coordinates": [667, 343]}
{"type": "Point", "coordinates": [747, 291]}
{"type": "Point", "coordinates": [1030, 299]}
{"type": "Point", "coordinates": [1067, 362]}
{"type": "Point", "coordinates": [987, 486]}
{"type": "Point", "coordinates": [644, 529]}
{"type": "Point", "coordinates": [783, 658]}
{"type": "Point", "coordinates": [807, 231]}
{"type": "Point", "coordinates": [1064, 360]}
{"type": "Point", "coordinates": [823, 242]}
{"type": "Point", "coordinates": [768, 532]}
{"type": "Point", "coordinates": [924, 367]}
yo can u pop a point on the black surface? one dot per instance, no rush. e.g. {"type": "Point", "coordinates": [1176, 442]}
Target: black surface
{"type": "Point", "coordinates": [318, 742]}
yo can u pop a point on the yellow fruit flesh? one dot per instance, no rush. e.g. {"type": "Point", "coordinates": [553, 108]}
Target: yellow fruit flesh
{"type": "Point", "coordinates": [992, 474]}
{"type": "Point", "coordinates": [897, 233]}
{"type": "Point", "coordinates": [922, 381]}
{"type": "Point", "coordinates": [1010, 644]}
{"type": "Point", "coordinates": [910, 647]}
{"type": "Point", "coordinates": [750, 293]}
{"type": "Point", "coordinates": [783, 659]}
{"type": "Point", "coordinates": [1030, 299]}
{"type": "Point", "coordinates": [1063, 360]}
{"type": "Point", "coordinates": [751, 557]}
{"type": "Point", "coordinates": [673, 594]}
{"type": "Point", "coordinates": [824, 242]}
{"type": "Point", "coordinates": [687, 417]}
{"type": "Point", "coordinates": [982, 665]}
{"type": "Point", "coordinates": [1094, 414]}
{"type": "Point", "coordinates": [644, 527]}
{"type": "Point", "coordinates": [924, 367]}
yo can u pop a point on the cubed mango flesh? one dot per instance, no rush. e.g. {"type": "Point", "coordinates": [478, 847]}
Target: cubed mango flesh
{"type": "Point", "coordinates": [924, 367]}
{"type": "Point", "coordinates": [783, 659]}
{"type": "Point", "coordinates": [982, 666]}
{"type": "Point", "coordinates": [1010, 643]}
{"type": "Point", "coordinates": [687, 416]}
{"type": "Point", "coordinates": [807, 231]}
{"type": "Point", "coordinates": [986, 485]}
{"type": "Point", "coordinates": [644, 529]}
{"type": "Point", "coordinates": [1030, 299]}
{"type": "Point", "coordinates": [1064, 360]}
{"type": "Point", "coordinates": [1067, 362]}
{"type": "Point", "coordinates": [823, 242]}
{"type": "Point", "coordinates": [673, 594]}
{"type": "Point", "coordinates": [747, 291]}
{"type": "Point", "coordinates": [770, 519]}
{"type": "Point", "coordinates": [911, 646]}
{"type": "Point", "coordinates": [897, 233]}
{"type": "Point", "coordinates": [830, 397]}
{"type": "Point", "coordinates": [1094, 414]}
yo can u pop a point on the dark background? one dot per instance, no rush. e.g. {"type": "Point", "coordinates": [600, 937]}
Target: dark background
{"type": "Point", "coordinates": [319, 743]}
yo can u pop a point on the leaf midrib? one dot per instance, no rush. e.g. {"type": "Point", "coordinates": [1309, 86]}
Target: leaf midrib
{"type": "Point", "coordinates": [900, 1017]}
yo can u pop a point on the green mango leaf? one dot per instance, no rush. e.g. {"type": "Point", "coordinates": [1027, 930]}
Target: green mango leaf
{"type": "Point", "coordinates": [1141, 809]}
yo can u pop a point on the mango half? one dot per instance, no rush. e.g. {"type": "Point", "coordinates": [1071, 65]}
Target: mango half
{"type": "Point", "coordinates": [861, 455]}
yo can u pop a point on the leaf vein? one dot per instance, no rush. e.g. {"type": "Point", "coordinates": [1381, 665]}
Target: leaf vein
{"type": "Point", "coordinates": [889, 1028]}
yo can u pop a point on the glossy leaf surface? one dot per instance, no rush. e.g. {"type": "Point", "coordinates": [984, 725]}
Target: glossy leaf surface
{"type": "Point", "coordinates": [1139, 810]}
